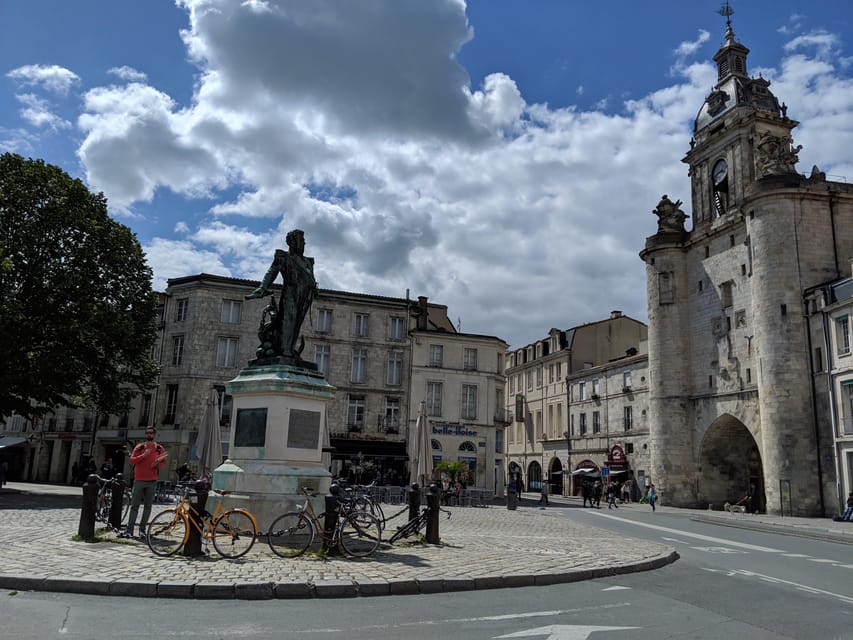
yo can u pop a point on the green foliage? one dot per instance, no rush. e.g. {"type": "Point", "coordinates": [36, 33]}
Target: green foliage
{"type": "Point", "coordinates": [453, 468]}
{"type": "Point", "coordinates": [77, 311]}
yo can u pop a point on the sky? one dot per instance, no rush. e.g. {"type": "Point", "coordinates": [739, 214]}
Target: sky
{"type": "Point", "coordinates": [501, 157]}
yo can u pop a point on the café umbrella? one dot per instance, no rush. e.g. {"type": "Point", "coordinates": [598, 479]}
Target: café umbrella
{"type": "Point", "coordinates": [420, 450]}
{"type": "Point", "coordinates": [209, 440]}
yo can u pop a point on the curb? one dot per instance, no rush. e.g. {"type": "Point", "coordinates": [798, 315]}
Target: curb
{"type": "Point", "coordinates": [787, 530]}
{"type": "Point", "coordinates": [319, 589]}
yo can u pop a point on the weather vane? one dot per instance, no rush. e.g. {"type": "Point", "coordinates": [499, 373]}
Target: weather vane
{"type": "Point", "coordinates": [727, 11]}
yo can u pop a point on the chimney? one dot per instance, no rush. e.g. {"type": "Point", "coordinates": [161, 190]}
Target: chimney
{"type": "Point", "coordinates": [615, 314]}
{"type": "Point", "coordinates": [423, 313]}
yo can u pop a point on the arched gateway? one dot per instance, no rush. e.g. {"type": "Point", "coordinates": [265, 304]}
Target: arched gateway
{"type": "Point", "coordinates": [729, 464]}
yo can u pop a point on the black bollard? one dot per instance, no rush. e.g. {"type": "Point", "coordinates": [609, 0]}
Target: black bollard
{"type": "Point", "coordinates": [192, 548]}
{"type": "Point", "coordinates": [433, 504]}
{"type": "Point", "coordinates": [330, 522]}
{"type": "Point", "coordinates": [414, 501]}
{"type": "Point", "coordinates": [86, 530]}
{"type": "Point", "coordinates": [117, 501]}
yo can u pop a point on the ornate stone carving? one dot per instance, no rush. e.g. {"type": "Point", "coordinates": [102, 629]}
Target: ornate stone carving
{"type": "Point", "coordinates": [670, 217]}
{"type": "Point", "coordinates": [775, 155]}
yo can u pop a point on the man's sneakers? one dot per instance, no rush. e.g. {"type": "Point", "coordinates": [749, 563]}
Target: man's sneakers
{"type": "Point", "coordinates": [129, 536]}
{"type": "Point", "coordinates": [125, 534]}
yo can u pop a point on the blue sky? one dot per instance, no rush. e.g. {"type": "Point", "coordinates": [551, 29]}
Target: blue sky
{"type": "Point", "coordinates": [502, 157]}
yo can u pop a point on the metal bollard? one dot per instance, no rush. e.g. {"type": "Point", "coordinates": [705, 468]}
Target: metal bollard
{"type": "Point", "coordinates": [193, 546]}
{"type": "Point", "coordinates": [414, 501]}
{"type": "Point", "coordinates": [330, 522]}
{"type": "Point", "coordinates": [433, 504]}
{"type": "Point", "coordinates": [86, 529]}
{"type": "Point", "coordinates": [117, 503]}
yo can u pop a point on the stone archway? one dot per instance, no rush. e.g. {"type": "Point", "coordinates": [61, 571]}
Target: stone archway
{"type": "Point", "coordinates": [534, 476]}
{"type": "Point", "coordinates": [555, 476]}
{"type": "Point", "coordinates": [729, 463]}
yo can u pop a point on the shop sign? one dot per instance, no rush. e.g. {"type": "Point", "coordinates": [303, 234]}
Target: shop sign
{"type": "Point", "coordinates": [617, 460]}
{"type": "Point", "coordinates": [67, 436]}
{"type": "Point", "coordinates": [452, 430]}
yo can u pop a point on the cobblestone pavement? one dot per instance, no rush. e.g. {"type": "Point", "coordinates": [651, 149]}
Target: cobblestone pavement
{"type": "Point", "coordinates": [480, 548]}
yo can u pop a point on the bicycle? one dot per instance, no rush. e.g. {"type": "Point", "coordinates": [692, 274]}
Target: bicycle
{"type": "Point", "coordinates": [357, 498]}
{"type": "Point", "coordinates": [414, 525]}
{"type": "Point", "coordinates": [233, 531]}
{"type": "Point", "coordinates": [104, 503]}
{"type": "Point", "coordinates": [357, 533]}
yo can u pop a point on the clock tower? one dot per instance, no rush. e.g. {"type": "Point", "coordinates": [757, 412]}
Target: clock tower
{"type": "Point", "coordinates": [732, 398]}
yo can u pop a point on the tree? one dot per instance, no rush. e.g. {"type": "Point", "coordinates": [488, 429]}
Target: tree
{"type": "Point", "coordinates": [77, 311]}
{"type": "Point", "coordinates": [453, 468]}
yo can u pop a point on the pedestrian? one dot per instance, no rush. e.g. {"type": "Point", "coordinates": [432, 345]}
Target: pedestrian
{"type": "Point", "coordinates": [184, 472]}
{"type": "Point", "coordinates": [653, 496]}
{"type": "Point", "coordinates": [147, 459]}
{"type": "Point", "coordinates": [752, 499]}
{"type": "Point", "coordinates": [612, 492]}
{"type": "Point", "coordinates": [847, 516]}
{"type": "Point", "coordinates": [586, 492]}
{"type": "Point", "coordinates": [4, 469]}
{"type": "Point", "coordinates": [75, 473]}
{"type": "Point", "coordinates": [91, 467]}
{"type": "Point", "coordinates": [543, 493]}
{"type": "Point", "coordinates": [596, 493]}
{"type": "Point", "coordinates": [626, 492]}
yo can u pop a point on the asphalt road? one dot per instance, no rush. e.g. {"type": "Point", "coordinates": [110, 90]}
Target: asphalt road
{"type": "Point", "coordinates": [729, 584]}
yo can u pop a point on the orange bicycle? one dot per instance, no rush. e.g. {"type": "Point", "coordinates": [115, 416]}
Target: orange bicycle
{"type": "Point", "coordinates": [233, 531]}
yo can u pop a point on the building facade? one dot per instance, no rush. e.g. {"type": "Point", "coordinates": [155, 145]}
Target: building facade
{"type": "Point", "coordinates": [731, 404]}
{"type": "Point", "coordinates": [538, 379]}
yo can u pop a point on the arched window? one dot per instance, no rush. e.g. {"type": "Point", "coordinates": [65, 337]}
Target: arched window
{"type": "Point", "coordinates": [436, 445]}
{"type": "Point", "coordinates": [467, 446]}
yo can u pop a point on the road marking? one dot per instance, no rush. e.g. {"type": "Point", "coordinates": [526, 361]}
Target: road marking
{"type": "Point", "coordinates": [718, 550]}
{"type": "Point", "coordinates": [796, 585]}
{"type": "Point", "coordinates": [822, 560]}
{"type": "Point", "coordinates": [674, 540]}
{"type": "Point", "coordinates": [615, 588]}
{"type": "Point", "coordinates": [795, 555]}
{"type": "Point", "coordinates": [563, 631]}
{"type": "Point", "coordinates": [698, 536]}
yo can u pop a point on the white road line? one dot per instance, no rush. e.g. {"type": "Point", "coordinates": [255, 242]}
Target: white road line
{"type": "Point", "coordinates": [797, 585]}
{"type": "Point", "coordinates": [796, 555]}
{"type": "Point", "coordinates": [823, 560]}
{"type": "Point", "coordinates": [698, 536]}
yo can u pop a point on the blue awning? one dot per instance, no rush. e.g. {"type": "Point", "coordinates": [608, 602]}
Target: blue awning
{"type": "Point", "coordinates": [7, 441]}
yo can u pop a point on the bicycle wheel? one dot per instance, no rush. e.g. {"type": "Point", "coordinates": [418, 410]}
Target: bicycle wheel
{"type": "Point", "coordinates": [360, 534]}
{"type": "Point", "coordinates": [366, 503]}
{"type": "Point", "coordinates": [234, 533]}
{"type": "Point", "coordinates": [408, 529]}
{"type": "Point", "coordinates": [291, 534]}
{"type": "Point", "coordinates": [167, 532]}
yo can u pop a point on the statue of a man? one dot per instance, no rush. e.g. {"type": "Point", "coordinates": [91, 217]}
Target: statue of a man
{"type": "Point", "coordinates": [297, 294]}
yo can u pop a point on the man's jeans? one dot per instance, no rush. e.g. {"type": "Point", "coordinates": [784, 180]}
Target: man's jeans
{"type": "Point", "coordinates": [142, 490]}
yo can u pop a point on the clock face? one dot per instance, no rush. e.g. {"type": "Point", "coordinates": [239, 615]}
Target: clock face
{"type": "Point", "coordinates": [721, 170]}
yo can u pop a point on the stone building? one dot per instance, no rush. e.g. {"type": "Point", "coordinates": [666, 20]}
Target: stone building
{"type": "Point", "coordinates": [608, 423]}
{"type": "Point", "coordinates": [731, 403]}
{"type": "Point", "coordinates": [207, 333]}
{"type": "Point", "coordinates": [537, 444]}
{"type": "Point", "coordinates": [460, 378]}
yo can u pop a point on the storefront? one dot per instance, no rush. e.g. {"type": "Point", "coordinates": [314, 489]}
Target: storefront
{"type": "Point", "coordinates": [586, 471]}
{"type": "Point", "coordinates": [454, 442]}
{"type": "Point", "coordinates": [364, 461]}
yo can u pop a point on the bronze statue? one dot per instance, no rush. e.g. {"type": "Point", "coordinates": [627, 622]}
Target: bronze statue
{"type": "Point", "coordinates": [280, 327]}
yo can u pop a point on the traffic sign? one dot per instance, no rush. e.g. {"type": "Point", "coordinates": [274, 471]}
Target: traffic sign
{"type": "Point", "coordinates": [605, 471]}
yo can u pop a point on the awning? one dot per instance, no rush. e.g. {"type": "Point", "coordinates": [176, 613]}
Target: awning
{"type": "Point", "coordinates": [585, 471]}
{"type": "Point", "coordinates": [6, 441]}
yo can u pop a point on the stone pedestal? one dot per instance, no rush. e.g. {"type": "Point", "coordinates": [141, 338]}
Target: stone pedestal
{"type": "Point", "coordinates": [276, 447]}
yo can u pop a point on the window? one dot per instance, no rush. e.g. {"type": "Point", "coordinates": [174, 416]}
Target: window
{"type": "Point", "coordinates": [181, 308]}
{"type": "Point", "coordinates": [499, 403]}
{"type": "Point", "coordinates": [324, 320]}
{"type": "Point", "coordinates": [177, 350]}
{"type": "Point", "coordinates": [171, 403]}
{"type": "Point", "coordinates": [583, 424]}
{"type": "Point", "coordinates": [559, 370]}
{"type": "Point", "coordinates": [396, 328]}
{"type": "Point", "coordinates": [226, 352]}
{"type": "Point", "coordinates": [626, 380]}
{"type": "Point", "coordinates": [469, 402]}
{"type": "Point", "coordinates": [550, 373]}
{"type": "Point", "coordinates": [628, 419]}
{"type": "Point", "coordinates": [499, 440]}
{"type": "Point", "coordinates": [842, 334]}
{"type": "Point", "coordinates": [145, 410]}
{"type": "Point", "coordinates": [529, 380]}
{"type": "Point", "coordinates": [392, 415]}
{"type": "Point", "coordinates": [595, 387]}
{"type": "Point", "coordinates": [359, 365]}
{"type": "Point", "coordinates": [469, 359]}
{"type": "Point", "coordinates": [433, 398]}
{"type": "Point", "coordinates": [581, 390]}
{"type": "Point", "coordinates": [395, 368]}
{"type": "Point", "coordinates": [538, 377]}
{"type": "Point", "coordinates": [69, 424]}
{"type": "Point", "coordinates": [355, 413]}
{"type": "Point", "coordinates": [360, 325]}
{"type": "Point", "coordinates": [436, 355]}
{"type": "Point", "coordinates": [847, 421]}
{"type": "Point", "coordinates": [726, 294]}
{"type": "Point", "coordinates": [322, 353]}
{"type": "Point", "coordinates": [665, 292]}
{"type": "Point", "coordinates": [226, 404]}
{"type": "Point", "coordinates": [231, 311]}
{"type": "Point", "coordinates": [818, 359]}
{"type": "Point", "coordinates": [596, 422]}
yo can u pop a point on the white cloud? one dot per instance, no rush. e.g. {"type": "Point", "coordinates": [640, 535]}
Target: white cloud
{"type": "Point", "coordinates": [37, 112]}
{"type": "Point", "coordinates": [128, 73]}
{"type": "Point", "coordinates": [50, 77]}
{"type": "Point", "coordinates": [358, 125]}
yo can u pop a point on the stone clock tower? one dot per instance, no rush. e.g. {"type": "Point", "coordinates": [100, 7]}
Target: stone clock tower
{"type": "Point", "coordinates": [731, 397]}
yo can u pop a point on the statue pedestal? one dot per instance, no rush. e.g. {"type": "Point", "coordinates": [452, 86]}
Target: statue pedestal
{"type": "Point", "coordinates": [276, 446]}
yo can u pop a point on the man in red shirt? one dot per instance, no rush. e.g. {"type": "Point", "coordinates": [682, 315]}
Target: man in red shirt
{"type": "Point", "coordinates": [147, 459]}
